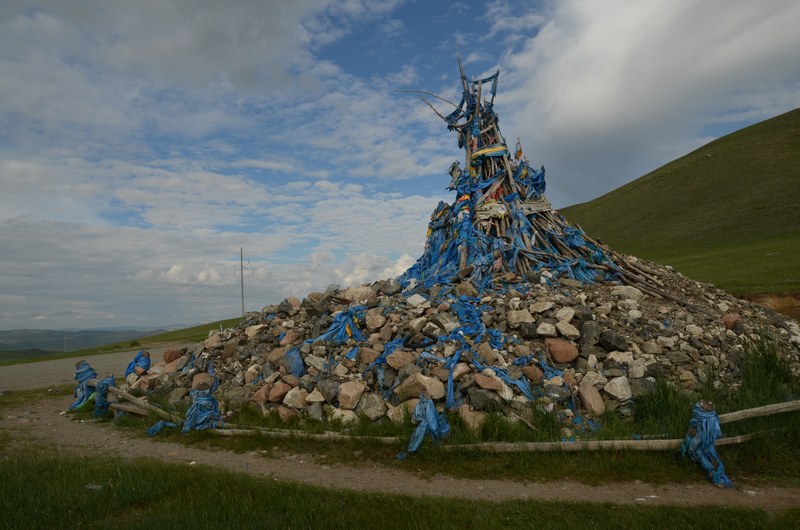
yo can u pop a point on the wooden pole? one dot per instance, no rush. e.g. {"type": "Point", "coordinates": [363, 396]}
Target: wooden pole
{"type": "Point", "coordinates": [145, 405]}
{"type": "Point", "coordinates": [593, 445]}
{"type": "Point", "coordinates": [757, 412]}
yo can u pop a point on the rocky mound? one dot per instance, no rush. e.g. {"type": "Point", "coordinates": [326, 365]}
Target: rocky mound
{"type": "Point", "coordinates": [509, 305]}
{"type": "Point", "coordinates": [371, 351]}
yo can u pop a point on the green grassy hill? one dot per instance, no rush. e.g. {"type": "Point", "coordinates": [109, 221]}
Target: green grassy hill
{"type": "Point", "coordinates": [727, 213]}
{"type": "Point", "coordinates": [187, 335]}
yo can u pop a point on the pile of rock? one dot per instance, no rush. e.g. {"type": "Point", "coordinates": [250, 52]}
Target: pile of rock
{"type": "Point", "coordinates": [568, 347]}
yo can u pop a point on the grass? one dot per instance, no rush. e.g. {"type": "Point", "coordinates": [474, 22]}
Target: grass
{"type": "Point", "coordinates": [39, 491]}
{"type": "Point", "coordinates": [765, 266]}
{"type": "Point", "coordinates": [187, 335]}
{"type": "Point", "coordinates": [732, 201]}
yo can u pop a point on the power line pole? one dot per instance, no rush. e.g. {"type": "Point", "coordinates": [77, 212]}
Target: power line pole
{"type": "Point", "coordinates": [241, 274]}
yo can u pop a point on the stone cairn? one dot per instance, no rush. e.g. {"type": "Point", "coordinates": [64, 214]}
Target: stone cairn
{"type": "Point", "coordinates": [508, 308]}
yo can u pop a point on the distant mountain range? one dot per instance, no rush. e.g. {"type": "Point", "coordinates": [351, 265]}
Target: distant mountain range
{"type": "Point", "coordinates": [59, 340]}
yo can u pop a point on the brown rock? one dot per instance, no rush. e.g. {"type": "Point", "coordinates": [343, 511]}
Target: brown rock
{"type": "Point", "coordinates": [276, 355]}
{"type": "Point", "coordinates": [533, 373]}
{"type": "Point", "coordinates": [729, 320]}
{"type": "Point", "coordinates": [230, 348]}
{"type": "Point", "coordinates": [292, 301]}
{"type": "Point", "coordinates": [440, 372]}
{"type": "Point", "coordinates": [375, 319]}
{"type": "Point", "coordinates": [291, 338]}
{"type": "Point", "coordinates": [174, 366]}
{"type": "Point", "coordinates": [278, 392]}
{"type": "Point", "coordinates": [460, 370]}
{"type": "Point", "coordinates": [386, 333]}
{"type": "Point", "coordinates": [213, 342]}
{"type": "Point", "coordinates": [286, 414]}
{"type": "Point", "coordinates": [399, 358]}
{"type": "Point", "coordinates": [591, 400]}
{"type": "Point", "coordinates": [349, 394]}
{"type": "Point", "coordinates": [561, 351]}
{"type": "Point", "coordinates": [252, 374]}
{"type": "Point", "coordinates": [171, 354]}
{"type": "Point", "coordinates": [417, 384]}
{"type": "Point", "coordinates": [485, 350]}
{"type": "Point", "coordinates": [465, 288]}
{"type": "Point", "coordinates": [252, 331]}
{"type": "Point", "coordinates": [367, 355]}
{"type": "Point", "coordinates": [261, 395]}
{"type": "Point", "coordinates": [488, 383]}
{"type": "Point", "coordinates": [202, 379]}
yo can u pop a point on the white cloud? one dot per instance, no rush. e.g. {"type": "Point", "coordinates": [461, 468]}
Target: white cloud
{"type": "Point", "coordinates": [144, 143]}
{"type": "Point", "coordinates": [607, 88]}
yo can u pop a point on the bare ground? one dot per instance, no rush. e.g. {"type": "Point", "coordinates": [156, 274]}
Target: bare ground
{"type": "Point", "coordinates": [44, 425]}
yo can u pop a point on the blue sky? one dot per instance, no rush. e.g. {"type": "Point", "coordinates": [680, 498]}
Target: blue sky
{"type": "Point", "coordinates": [143, 143]}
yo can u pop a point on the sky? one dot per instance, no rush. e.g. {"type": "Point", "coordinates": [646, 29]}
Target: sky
{"type": "Point", "coordinates": [143, 144]}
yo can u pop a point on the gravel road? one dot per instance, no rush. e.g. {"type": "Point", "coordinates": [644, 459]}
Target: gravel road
{"type": "Point", "coordinates": [61, 371]}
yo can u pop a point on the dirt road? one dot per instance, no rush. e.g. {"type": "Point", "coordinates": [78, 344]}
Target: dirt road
{"type": "Point", "coordinates": [45, 374]}
{"type": "Point", "coordinates": [44, 425]}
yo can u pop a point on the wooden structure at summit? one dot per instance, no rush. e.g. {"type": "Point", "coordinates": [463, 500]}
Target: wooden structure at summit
{"type": "Point", "coordinates": [501, 221]}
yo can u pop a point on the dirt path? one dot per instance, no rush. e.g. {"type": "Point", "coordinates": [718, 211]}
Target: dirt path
{"type": "Point", "coordinates": [44, 425]}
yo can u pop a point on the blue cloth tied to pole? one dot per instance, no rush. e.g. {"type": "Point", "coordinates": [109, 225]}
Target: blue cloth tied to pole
{"type": "Point", "coordinates": [428, 421]}
{"type": "Point", "coordinates": [83, 373]}
{"type": "Point", "coordinates": [100, 400]}
{"type": "Point", "coordinates": [141, 360]}
{"type": "Point", "coordinates": [204, 412]}
{"type": "Point", "coordinates": [700, 441]}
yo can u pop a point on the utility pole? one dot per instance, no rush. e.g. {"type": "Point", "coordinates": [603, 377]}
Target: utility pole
{"type": "Point", "coordinates": [241, 274]}
{"type": "Point", "coordinates": [65, 340]}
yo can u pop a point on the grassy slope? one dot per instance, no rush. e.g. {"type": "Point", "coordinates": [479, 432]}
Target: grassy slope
{"type": "Point", "coordinates": [727, 213]}
{"type": "Point", "coordinates": [193, 334]}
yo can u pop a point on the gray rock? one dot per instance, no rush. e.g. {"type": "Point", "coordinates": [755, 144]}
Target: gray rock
{"type": "Point", "coordinates": [618, 388]}
{"type": "Point", "coordinates": [610, 340]}
{"type": "Point", "coordinates": [678, 357]}
{"type": "Point", "coordinates": [545, 329]}
{"type": "Point", "coordinates": [541, 307]}
{"type": "Point", "coordinates": [522, 316]}
{"type": "Point", "coordinates": [329, 389]}
{"type": "Point", "coordinates": [371, 406]}
{"type": "Point", "coordinates": [234, 397]}
{"type": "Point", "coordinates": [558, 394]}
{"type": "Point", "coordinates": [176, 396]}
{"type": "Point", "coordinates": [296, 398]}
{"type": "Point", "coordinates": [627, 291]}
{"type": "Point", "coordinates": [565, 314]}
{"type": "Point", "coordinates": [567, 330]}
{"type": "Point", "coordinates": [484, 400]}
{"type": "Point", "coordinates": [642, 387]}
{"type": "Point", "coordinates": [589, 332]}
{"type": "Point", "coordinates": [416, 300]}
{"type": "Point", "coordinates": [527, 331]}
{"type": "Point", "coordinates": [316, 411]}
